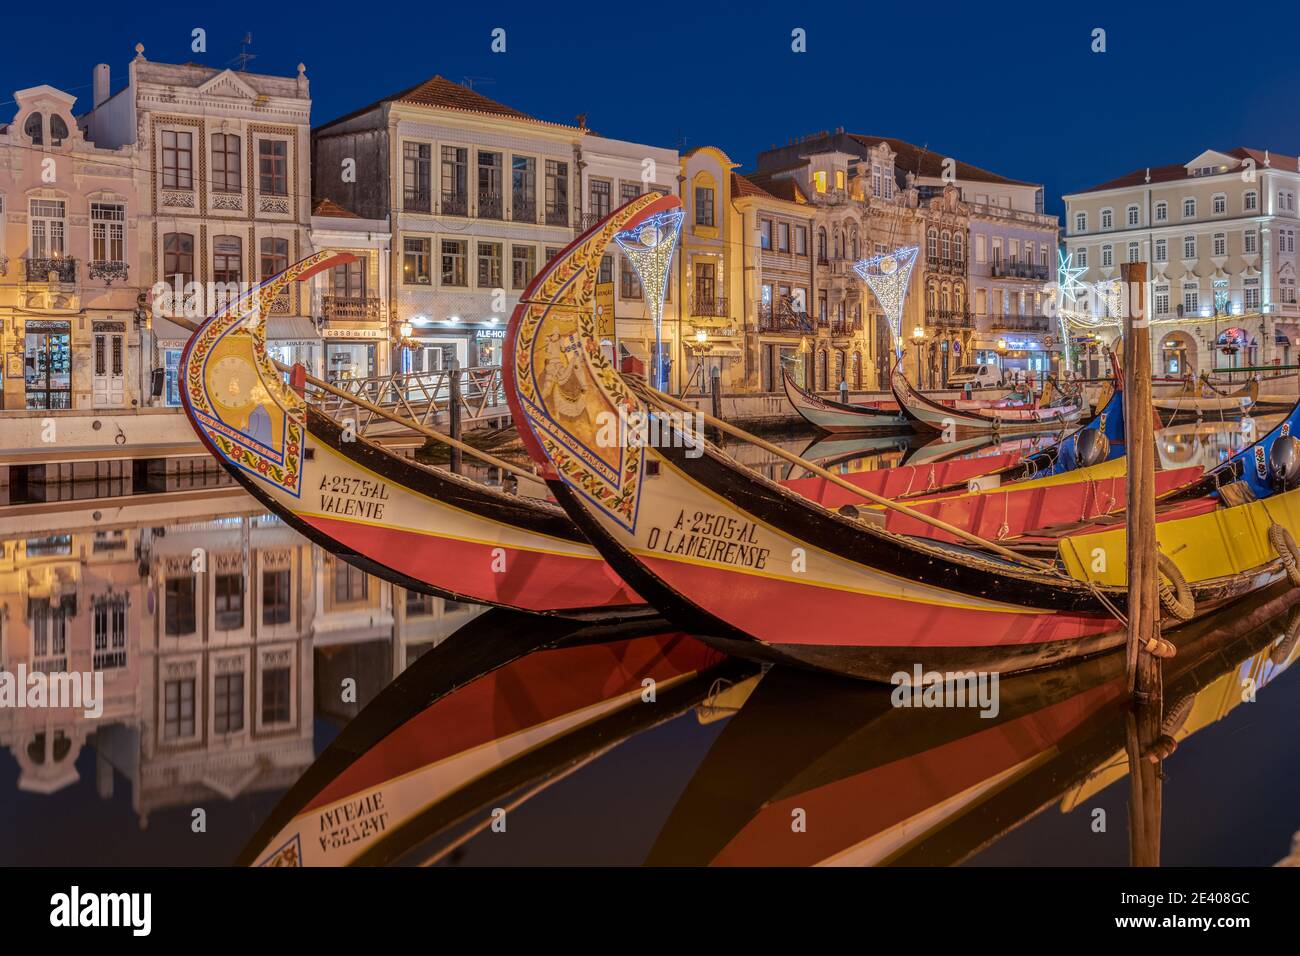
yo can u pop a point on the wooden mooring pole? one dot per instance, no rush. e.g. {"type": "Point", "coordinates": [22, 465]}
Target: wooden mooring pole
{"type": "Point", "coordinates": [1143, 575]}
{"type": "Point", "coordinates": [1143, 667]}
{"type": "Point", "coordinates": [453, 417]}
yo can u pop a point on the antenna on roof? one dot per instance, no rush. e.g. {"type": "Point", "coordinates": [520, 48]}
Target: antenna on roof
{"type": "Point", "coordinates": [469, 81]}
{"type": "Point", "coordinates": [244, 55]}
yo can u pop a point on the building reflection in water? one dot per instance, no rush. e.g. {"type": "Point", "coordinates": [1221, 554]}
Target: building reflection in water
{"type": "Point", "coordinates": [224, 641]}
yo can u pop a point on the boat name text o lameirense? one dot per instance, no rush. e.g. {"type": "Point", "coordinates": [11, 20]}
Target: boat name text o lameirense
{"type": "Point", "coordinates": [353, 497]}
{"type": "Point", "coordinates": [711, 537]}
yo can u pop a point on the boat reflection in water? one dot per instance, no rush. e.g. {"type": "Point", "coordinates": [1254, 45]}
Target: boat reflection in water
{"type": "Point", "coordinates": [229, 644]}
{"type": "Point", "coordinates": [789, 767]}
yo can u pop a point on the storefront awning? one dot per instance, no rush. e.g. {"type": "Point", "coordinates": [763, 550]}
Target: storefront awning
{"type": "Point", "coordinates": [291, 328]}
{"type": "Point", "coordinates": [168, 334]}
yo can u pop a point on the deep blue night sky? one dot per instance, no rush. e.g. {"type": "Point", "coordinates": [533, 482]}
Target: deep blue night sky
{"type": "Point", "coordinates": [1013, 87]}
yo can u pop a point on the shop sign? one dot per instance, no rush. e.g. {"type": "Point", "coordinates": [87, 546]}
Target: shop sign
{"type": "Point", "coordinates": [354, 334]}
{"type": "Point", "coordinates": [491, 333]}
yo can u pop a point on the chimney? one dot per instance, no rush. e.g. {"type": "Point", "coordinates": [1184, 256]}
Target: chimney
{"type": "Point", "coordinates": [101, 86]}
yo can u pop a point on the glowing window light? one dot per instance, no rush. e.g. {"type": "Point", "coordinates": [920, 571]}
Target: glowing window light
{"type": "Point", "coordinates": [888, 275]}
{"type": "Point", "coordinates": [649, 247]}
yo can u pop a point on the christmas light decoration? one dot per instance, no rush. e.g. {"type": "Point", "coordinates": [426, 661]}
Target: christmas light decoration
{"type": "Point", "coordinates": [1067, 278]}
{"type": "Point", "coordinates": [650, 246]}
{"type": "Point", "coordinates": [888, 275]}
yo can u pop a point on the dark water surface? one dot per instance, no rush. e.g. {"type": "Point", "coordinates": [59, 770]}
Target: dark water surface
{"type": "Point", "coordinates": [223, 685]}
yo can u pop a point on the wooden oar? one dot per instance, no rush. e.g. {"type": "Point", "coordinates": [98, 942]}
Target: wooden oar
{"type": "Point", "coordinates": [837, 480]}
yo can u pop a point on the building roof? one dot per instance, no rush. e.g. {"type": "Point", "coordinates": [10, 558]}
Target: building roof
{"type": "Point", "coordinates": [328, 207]}
{"type": "Point", "coordinates": [930, 163]}
{"type": "Point", "coordinates": [768, 186]}
{"type": "Point", "coordinates": [440, 92]}
{"type": "Point", "coordinates": [1175, 171]}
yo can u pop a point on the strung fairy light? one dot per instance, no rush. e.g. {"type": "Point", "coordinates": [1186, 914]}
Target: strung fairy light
{"type": "Point", "coordinates": [649, 246]}
{"type": "Point", "coordinates": [888, 275]}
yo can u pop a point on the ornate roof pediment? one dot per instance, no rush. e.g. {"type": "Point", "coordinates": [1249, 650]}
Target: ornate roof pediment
{"type": "Point", "coordinates": [227, 84]}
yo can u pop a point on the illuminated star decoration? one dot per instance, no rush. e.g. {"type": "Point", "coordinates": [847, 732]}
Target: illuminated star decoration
{"type": "Point", "coordinates": [650, 247]}
{"type": "Point", "coordinates": [887, 275]}
{"type": "Point", "coordinates": [1067, 286]}
{"type": "Point", "coordinates": [1067, 278]}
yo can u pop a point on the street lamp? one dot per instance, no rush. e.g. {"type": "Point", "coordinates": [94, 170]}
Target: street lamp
{"type": "Point", "coordinates": [918, 338]}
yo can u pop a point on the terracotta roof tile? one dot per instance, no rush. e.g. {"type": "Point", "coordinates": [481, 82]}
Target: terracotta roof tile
{"type": "Point", "coordinates": [328, 207]}
{"type": "Point", "coordinates": [441, 92]}
{"type": "Point", "coordinates": [928, 162]}
{"type": "Point", "coordinates": [1177, 171]}
{"type": "Point", "coordinates": [763, 184]}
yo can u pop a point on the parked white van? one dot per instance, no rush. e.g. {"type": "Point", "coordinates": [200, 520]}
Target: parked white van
{"type": "Point", "coordinates": [976, 376]}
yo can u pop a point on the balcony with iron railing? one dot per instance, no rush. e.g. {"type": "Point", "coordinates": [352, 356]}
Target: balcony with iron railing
{"type": "Point", "coordinates": [523, 209]}
{"type": "Point", "coordinates": [845, 327]}
{"type": "Point", "coordinates": [110, 270]}
{"type": "Point", "coordinates": [417, 203]}
{"type": "Point", "coordinates": [1012, 269]}
{"type": "Point", "coordinates": [557, 214]}
{"type": "Point", "coordinates": [454, 205]}
{"type": "Point", "coordinates": [783, 318]}
{"type": "Point", "coordinates": [491, 206]}
{"type": "Point", "coordinates": [41, 268]}
{"type": "Point", "coordinates": [951, 319]}
{"type": "Point", "coordinates": [351, 308]}
{"type": "Point", "coordinates": [1020, 323]}
{"type": "Point", "coordinates": [709, 306]}
{"type": "Point", "coordinates": [942, 264]}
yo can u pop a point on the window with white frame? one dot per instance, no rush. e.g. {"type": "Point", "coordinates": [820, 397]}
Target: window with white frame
{"type": "Point", "coordinates": [979, 249]}
{"type": "Point", "coordinates": [1251, 297]}
{"type": "Point", "coordinates": [1189, 247]}
{"type": "Point", "coordinates": [1191, 299]}
{"type": "Point", "coordinates": [1134, 251]}
{"type": "Point", "coordinates": [1107, 256]}
{"type": "Point", "coordinates": [1133, 215]}
{"type": "Point", "coordinates": [1219, 203]}
{"type": "Point", "coordinates": [1248, 241]}
{"type": "Point", "coordinates": [1080, 222]}
{"type": "Point", "coordinates": [1081, 257]}
{"type": "Point", "coordinates": [1107, 218]}
{"type": "Point", "coordinates": [107, 232]}
{"type": "Point", "coordinates": [1161, 299]}
{"type": "Point", "coordinates": [1220, 244]}
{"type": "Point", "coordinates": [1162, 250]}
{"type": "Point", "coordinates": [1162, 211]}
{"type": "Point", "coordinates": [1189, 208]}
{"type": "Point", "coordinates": [47, 227]}
{"type": "Point", "coordinates": [1250, 201]}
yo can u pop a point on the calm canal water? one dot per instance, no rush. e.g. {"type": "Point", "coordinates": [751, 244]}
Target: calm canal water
{"type": "Point", "coordinates": [223, 685]}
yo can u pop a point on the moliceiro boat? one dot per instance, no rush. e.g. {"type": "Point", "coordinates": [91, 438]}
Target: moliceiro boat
{"type": "Point", "coordinates": [980, 417]}
{"type": "Point", "coordinates": [422, 527]}
{"type": "Point", "coordinates": [833, 416]}
{"type": "Point", "coordinates": [761, 571]}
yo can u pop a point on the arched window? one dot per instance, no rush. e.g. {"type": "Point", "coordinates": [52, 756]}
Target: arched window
{"type": "Point", "coordinates": [957, 252]}
{"type": "Point", "coordinates": [945, 245]}
{"type": "Point", "coordinates": [58, 130]}
{"type": "Point", "coordinates": [822, 370]}
{"type": "Point", "coordinates": [857, 370]}
{"type": "Point", "coordinates": [34, 129]}
{"type": "Point", "coordinates": [932, 298]}
{"type": "Point", "coordinates": [821, 244]}
{"type": "Point", "coordinates": [945, 300]}
{"type": "Point", "coordinates": [932, 243]}
{"type": "Point", "coordinates": [839, 244]}
{"type": "Point", "coordinates": [853, 243]}
{"type": "Point", "coordinates": [959, 297]}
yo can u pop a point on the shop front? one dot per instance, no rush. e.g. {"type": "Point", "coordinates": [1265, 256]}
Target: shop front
{"type": "Point", "coordinates": [294, 340]}
{"type": "Point", "coordinates": [47, 364]}
{"type": "Point", "coordinates": [352, 354]}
